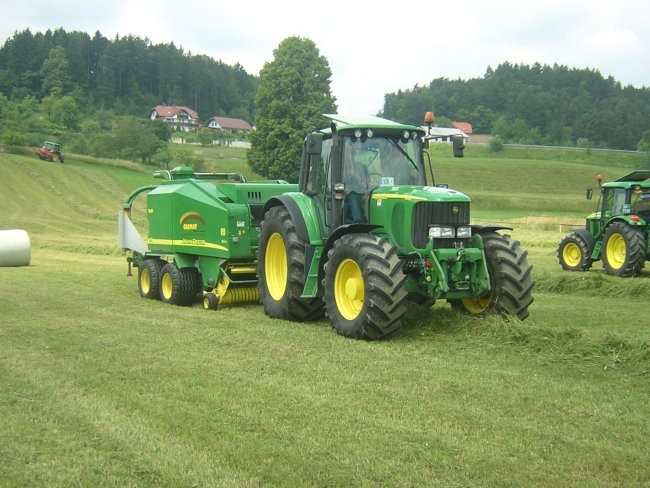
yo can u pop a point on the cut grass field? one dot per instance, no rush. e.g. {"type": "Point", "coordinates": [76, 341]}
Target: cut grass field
{"type": "Point", "coordinates": [99, 387]}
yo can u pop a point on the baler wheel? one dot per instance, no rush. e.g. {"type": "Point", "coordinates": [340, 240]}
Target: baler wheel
{"type": "Point", "coordinates": [624, 250]}
{"type": "Point", "coordinates": [510, 280]}
{"type": "Point", "coordinates": [210, 301]}
{"type": "Point", "coordinates": [281, 269]}
{"type": "Point", "coordinates": [178, 286]}
{"type": "Point", "coordinates": [149, 278]}
{"type": "Point", "coordinates": [364, 287]}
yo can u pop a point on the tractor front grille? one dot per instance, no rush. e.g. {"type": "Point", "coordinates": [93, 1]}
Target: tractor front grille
{"type": "Point", "coordinates": [439, 213]}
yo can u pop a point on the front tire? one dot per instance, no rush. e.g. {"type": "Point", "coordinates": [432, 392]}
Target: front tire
{"type": "Point", "coordinates": [510, 280]}
{"type": "Point", "coordinates": [624, 250]}
{"type": "Point", "coordinates": [364, 287]}
{"type": "Point", "coordinates": [281, 270]}
{"type": "Point", "coordinates": [573, 253]}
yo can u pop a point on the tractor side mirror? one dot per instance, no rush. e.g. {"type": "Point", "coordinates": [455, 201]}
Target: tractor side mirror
{"type": "Point", "coordinates": [590, 193]}
{"type": "Point", "coordinates": [314, 144]}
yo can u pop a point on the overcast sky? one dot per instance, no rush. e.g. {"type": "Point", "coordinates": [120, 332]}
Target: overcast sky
{"type": "Point", "coordinates": [377, 47]}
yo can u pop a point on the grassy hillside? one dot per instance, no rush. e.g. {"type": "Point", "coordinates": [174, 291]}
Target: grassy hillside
{"type": "Point", "coordinates": [99, 387]}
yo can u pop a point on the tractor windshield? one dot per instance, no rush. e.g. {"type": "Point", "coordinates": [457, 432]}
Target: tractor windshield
{"type": "Point", "coordinates": [387, 161]}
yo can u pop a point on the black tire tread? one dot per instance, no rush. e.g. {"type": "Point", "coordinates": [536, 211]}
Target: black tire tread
{"type": "Point", "coordinates": [635, 243]}
{"type": "Point", "coordinates": [153, 266]}
{"type": "Point", "coordinates": [291, 306]}
{"type": "Point", "coordinates": [385, 296]}
{"type": "Point", "coordinates": [184, 284]}
{"type": "Point", "coordinates": [585, 261]}
{"type": "Point", "coordinates": [510, 277]}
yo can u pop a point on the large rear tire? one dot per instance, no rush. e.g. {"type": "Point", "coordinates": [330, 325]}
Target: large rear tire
{"type": "Point", "coordinates": [149, 278]}
{"type": "Point", "coordinates": [281, 270]}
{"type": "Point", "coordinates": [510, 280]}
{"type": "Point", "coordinates": [624, 250]}
{"type": "Point", "coordinates": [178, 286]}
{"type": "Point", "coordinates": [364, 287]}
{"type": "Point", "coordinates": [573, 253]}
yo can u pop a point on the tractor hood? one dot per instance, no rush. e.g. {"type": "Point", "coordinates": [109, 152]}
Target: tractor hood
{"type": "Point", "coordinates": [419, 193]}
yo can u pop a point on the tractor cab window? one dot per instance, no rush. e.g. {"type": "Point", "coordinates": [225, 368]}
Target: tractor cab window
{"type": "Point", "coordinates": [640, 202]}
{"type": "Point", "coordinates": [614, 202]}
{"type": "Point", "coordinates": [317, 179]}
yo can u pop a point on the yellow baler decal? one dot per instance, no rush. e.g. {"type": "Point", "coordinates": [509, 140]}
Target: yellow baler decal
{"type": "Point", "coordinates": [191, 215]}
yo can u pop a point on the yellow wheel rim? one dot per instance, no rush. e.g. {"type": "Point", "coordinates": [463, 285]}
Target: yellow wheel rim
{"type": "Point", "coordinates": [166, 286]}
{"type": "Point", "coordinates": [145, 281]}
{"type": "Point", "coordinates": [348, 289]}
{"type": "Point", "coordinates": [616, 250]}
{"type": "Point", "coordinates": [475, 306]}
{"type": "Point", "coordinates": [572, 254]}
{"type": "Point", "coordinates": [275, 266]}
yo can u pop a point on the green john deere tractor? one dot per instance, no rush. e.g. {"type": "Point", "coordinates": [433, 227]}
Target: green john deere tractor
{"type": "Point", "coordinates": [617, 232]}
{"type": "Point", "coordinates": [365, 234]}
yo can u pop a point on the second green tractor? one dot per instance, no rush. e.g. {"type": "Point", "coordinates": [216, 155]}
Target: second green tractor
{"type": "Point", "coordinates": [617, 233]}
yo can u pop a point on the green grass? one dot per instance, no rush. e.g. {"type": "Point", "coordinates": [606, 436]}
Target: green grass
{"type": "Point", "coordinates": [99, 387]}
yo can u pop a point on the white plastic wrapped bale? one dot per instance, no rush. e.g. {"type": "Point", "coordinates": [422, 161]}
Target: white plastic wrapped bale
{"type": "Point", "coordinates": [15, 248]}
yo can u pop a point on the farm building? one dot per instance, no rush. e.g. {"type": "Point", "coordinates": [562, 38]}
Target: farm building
{"type": "Point", "coordinates": [177, 117]}
{"type": "Point", "coordinates": [445, 134]}
{"type": "Point", "coordinates": [228, 124]}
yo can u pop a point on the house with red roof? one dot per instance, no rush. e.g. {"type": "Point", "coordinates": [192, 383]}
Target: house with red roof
{"type": "Point", "coordinates": [176, 116]}
{"type": "Point", "coordinates": [228, 124]}
{"type": "Point", "coordinates": [466, 127]}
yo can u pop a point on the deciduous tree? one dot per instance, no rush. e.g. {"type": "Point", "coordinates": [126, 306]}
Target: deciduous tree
{"type": "Point", "coordinates": [293, 93]}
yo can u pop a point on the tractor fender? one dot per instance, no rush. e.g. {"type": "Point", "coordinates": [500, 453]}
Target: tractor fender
{"type": "Point", "coordinates": [482, 229]}
{"type": "Point", "coordinates": [626, 218]}
{"type": "Point", "coordinates": [297, 211]}
{"type": "Point", "coordinates": [344, 230]}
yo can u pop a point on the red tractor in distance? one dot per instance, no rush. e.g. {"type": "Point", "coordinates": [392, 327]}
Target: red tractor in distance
{"type": "Point", "coordinates": [51, 151]}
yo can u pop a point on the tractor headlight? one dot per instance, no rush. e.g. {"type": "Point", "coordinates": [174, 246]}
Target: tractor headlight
{"type": "Point", "coordinates": [438, 232]}
{"type": "Point", "coordinates": [464, 232]}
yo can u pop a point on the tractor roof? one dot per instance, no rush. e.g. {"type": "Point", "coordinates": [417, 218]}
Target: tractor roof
{"type": "Point", "coordinates": [368, 122]}
{"type": "Point", "coordinates": [636, 176]}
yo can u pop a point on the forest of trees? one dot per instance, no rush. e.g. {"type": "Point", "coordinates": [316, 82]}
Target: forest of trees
{"type": "Point", "coordinates": [128, 75]}
{"type": "Point", "coordinates": [93, 94]}
{"type": "Point", "coordinates": [539, 104]}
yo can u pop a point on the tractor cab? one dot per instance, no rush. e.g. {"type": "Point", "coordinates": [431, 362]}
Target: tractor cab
{"type": "Point", "coordinates": [52, 146]}
{"type": "Point", "coordinates": [50, 151]}
{"type": "Point", "coordinates": [345, 164]}
{"type": "Point", "coordinates": [627, 197]}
